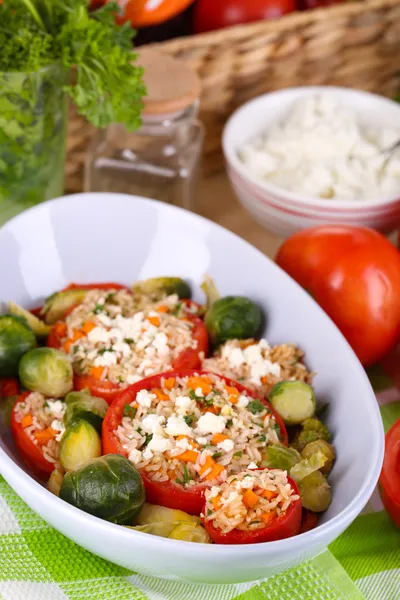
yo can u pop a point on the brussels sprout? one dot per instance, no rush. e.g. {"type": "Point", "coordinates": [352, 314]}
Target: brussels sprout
{"type": "Point", "coordinates": [152, 513]}
{"type": "Point", "coordinates": [315, 492]}
{"type": "Point", "coordinates": [59, 303]}
{"type": "Point", "coordinates": [47, 371]}
{"type": "Point", "coordinates": [280, 457]}
{"type": "Point", "coordinates": [38, 327]}
{"type": "Point", "coordinates": [160, 287]}
{"type": "Point", "coordinates": [233, 317]}
{"type": "Point", "coordinates": [160, 529]}
{"type": "Point", "coordinates": [55, 481]}
{"type": "Point", "coordinates": [16, 338]}
{"type": "Point", "coordinates": [293, 400]}
{"type": "Point", "coordinates": [188, 532]}
{"type": "Point", "coordinates": [311, 430]}
{"type": "Point", "coordinates": [326, 449]}
{"type": "Point", "coordinates": [109, 487]}
{"type": "Point", "coordinates": [79, 445]}
{"type": "Point", "coordinates": [81, 405]}
{"type": "Point", "coordinates": [302, 469]}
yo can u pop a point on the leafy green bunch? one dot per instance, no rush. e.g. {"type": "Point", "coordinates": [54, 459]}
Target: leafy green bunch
{"type": "Point", "coordinates": [108, 88]}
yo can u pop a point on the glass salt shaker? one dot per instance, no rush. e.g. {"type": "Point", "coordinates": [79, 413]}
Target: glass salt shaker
{"type": "Point", "coordinates": [161, 160]}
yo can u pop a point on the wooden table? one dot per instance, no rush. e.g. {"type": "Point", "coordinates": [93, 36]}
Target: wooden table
{"type": "Point", "coordinates": [217, 202]}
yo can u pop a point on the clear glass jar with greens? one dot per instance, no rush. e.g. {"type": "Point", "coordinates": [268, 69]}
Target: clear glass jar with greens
{"type": "Point", "coordinates": [33, 119]}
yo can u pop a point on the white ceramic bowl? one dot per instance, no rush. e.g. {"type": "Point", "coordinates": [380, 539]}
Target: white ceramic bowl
{"type": "Point", "coordinates": [100, 237]}
{"type": "Point", "coordinates": [284, 212]}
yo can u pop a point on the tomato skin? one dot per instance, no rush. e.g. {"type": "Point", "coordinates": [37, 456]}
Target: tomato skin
{"type": "Point", "coordinates": [354, 274]}
{"type": "Point", "coordinates": [165, 493]}
{"type": "Point", "coordinates": [309, 521]}
{"type": "Point", "coordinates": [210, 15]}
{"type": "Point", "coordinates": [389, 481]}
{"type": "Point", "coordinates": [94, 286]}
{"type": "Point", "coordinates": [284, 526]}
{"type": "Point", "coordinates": [31, 454]}
{"type": "Point", "coordinates": [9, 387]}
{"type": "Point", "coordinates": [144, 13]}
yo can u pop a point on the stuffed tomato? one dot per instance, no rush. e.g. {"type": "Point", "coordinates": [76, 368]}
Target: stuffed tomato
{"type": "Point", "coordinates": [188, 430]}
{"type": "Point", "coordinates": [253, 506]}
{"type": "Point", "coordinates": [389, 482]}
{"type": "Point", "coordinates": [115, 338]}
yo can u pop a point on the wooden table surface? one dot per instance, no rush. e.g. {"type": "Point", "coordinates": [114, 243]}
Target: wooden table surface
{"type": "Point", "coordinates": [217, 202]}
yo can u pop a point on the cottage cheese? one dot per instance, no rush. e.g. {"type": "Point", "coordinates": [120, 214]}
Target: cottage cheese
{"type": "Point", "coordinates": [320, 149]}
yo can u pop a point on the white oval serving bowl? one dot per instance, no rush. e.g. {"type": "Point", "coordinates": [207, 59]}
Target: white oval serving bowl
{"type": "Point", "coordinates": [284, 212]}
{"type": "Point", "coordinates": [104, 237]}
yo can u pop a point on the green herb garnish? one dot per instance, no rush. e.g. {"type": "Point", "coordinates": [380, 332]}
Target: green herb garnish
{"type": "Point", "coordinates": [98, 308]}
{"type": "Point", "coordinates": [239, 454]}
{"type": "Point", "coordinates": [149, 437]}
{"type": "Point", "coordinates": [129, 341]}
{"type": "Point", "coordinates": [176, 311]}
{"type": "Point", "coordinates": [262, 438]}
{"type": "Point", "coordinates": [129, 411]}
{"type": "Point", "coordinates": [278, 430]}
{"type": "Point", "coordinates": [256, 407]}
{"type": "Point", "coordinates": [217, 455]}
{"type": "Point", "coordinates": [189, 419]}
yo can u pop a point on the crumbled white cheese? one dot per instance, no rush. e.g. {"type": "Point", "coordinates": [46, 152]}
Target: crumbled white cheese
{"type": "Point", "coordinates": [59, 426]}
{"type": "Point", "coordinates": [320, 148]}
{"type": "Point", "coordinates": [199, 392]}
{"type": "Point", "coordinates": [131, 379]}
{"type": "Point", "coordinates": [145, 398]}
{"type": "Point", "coordinates": [242, 402]}
{"type": "Point", "coordinates": [152, 424]}
{"type": "Point", "coordinates": [177, 426]}
{"type": "Point", "coordinates": [226, 445]}
{"type": "Point", "coordinates": [252, 465]}
{"type": "Point", "coordinates": [159, 444]}
{"type": "Point", "coordinates": [226, 410]}
{"type": "Point", "coordinates": [214, 491]}
{"type": "Point", "coordinates": [135, 456]}
{"type": "Point", "coordinates": [107, 359]}
{"type": "Point", "coordinates": [183, 405]}
{"type": "Point", "coordinates": [235, 357]}
{"type": "Point", "coordinates": [56, 408]}
{"type": "Point", "coordinates": [202, 441]}
{"type": "Point", "coordinates": [147, 453]}
{"type": "Point", "coordinates": [210, 423]}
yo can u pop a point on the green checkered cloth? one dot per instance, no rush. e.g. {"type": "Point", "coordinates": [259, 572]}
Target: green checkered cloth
{"type": "Point", "coordinates": [38, 563]}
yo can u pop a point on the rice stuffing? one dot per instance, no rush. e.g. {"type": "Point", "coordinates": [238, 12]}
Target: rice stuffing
{"type": "Point", "coordinates": [115, 336]}
{"type": "Point", "coordinates": [42, 420]}
{"type": "Point", "coordinates": [196, 430]}
{"type": "Point", "coordinates": [249, 500]}
{"type": "Point", "coordinates": [257, 365]}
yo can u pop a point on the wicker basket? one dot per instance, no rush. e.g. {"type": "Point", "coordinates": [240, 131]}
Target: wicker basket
{"type": "Point", "coordinates": [353, 44]}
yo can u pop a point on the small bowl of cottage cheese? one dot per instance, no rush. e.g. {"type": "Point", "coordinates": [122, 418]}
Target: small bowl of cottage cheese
{"type": "Point", "coordinates": [316, 155]}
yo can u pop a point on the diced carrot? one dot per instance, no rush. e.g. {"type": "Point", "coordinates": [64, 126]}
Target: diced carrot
{"type": "Point", "coordinates": [218, 437]}
{"type": "Point", "coordinates": [216, 468]}
{"type": "Point", "coordinates": [191, 442]}
{"type": "Point", "coordinates": [216, 502]}
{"type": "Point", "coordinates": [162, 308]}
{"type": "Point", "coordinates": [169, 383]}
{"type": "Point", "coordinates": [200, 382]}
{"type": "Point", "coordinates": [233, 399]}
{"type": "Point", "coordinates": [43, 436]}
{"type": "Point", "coordinates": [160, 394]}
{"type": "Point", "coordinates": [96, 372]}
{"type": "Point", "coordinates": [269, 495]}
{"type": "Point", "coordinates": [208, 464]}
{"type": "Point", "coordinates": [188, 456]}
{"type": "Point", "coordinates": [154, 320]}
{"type": "Point", "coordinates": [269, 516]}
{"type": "Point", "coordinates": [232, 391]}
{"type": "Point", "coordinates": [212, 409]}
{"type": "Point", "coordinates": [215, 472]}
{"type": "Point", "coordinates": [26, 421]}
{"type": "Point", "coordinates": [87, 327]}
{"type": "Point", "coordinates": [76, 336]}
{"type": "Point", "coordinates": [60, 329]}
{"type": "Point", "coordinates": [250, 499]}
{"type": "Point", "coordinates": [171, 474]}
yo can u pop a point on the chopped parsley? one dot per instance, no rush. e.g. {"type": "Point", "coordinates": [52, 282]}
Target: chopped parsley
{"type": "Point", "coordinates": [239, 454]}
{"type": "Point", "coordinates": [45, 404]}
{"type": "Point", "coordinates": [189, 420]}
{"type": "Point", "coordinates": [240, 379]}
{"type": "Point", "coordinates": [176, 311]}
{"type": "Point", "coordinates": [201, 399]}
{"type": "Point", "coordinates": [209, 512]}
{"type": "Point", "coordinates": [98, 309]}
{"type": "Point", "coordinates": [278, 430]}
{"type": "Point", "coordinates": [149, 437]}
{"type": "Point", "coordinates": [186, 477]}
{"type": "Point", "coordinates": [130, 411]}
{"type": "Point", "coordinates": [256, 407]}
{"type": "Point", "coordinates": [104, 350]}
{"type": "Point", "coordinates": [75, 348]}
{"type": "Point", "coordinates": [129, 341]}
{"type": "Point", "coordinates": [217, 455]}
{"type": "Point", "coordinates": [110, 297]}
{"type": "Point", "coordinates": [262, 438]}
{"type": "Point", "coordinates": [229, 423]}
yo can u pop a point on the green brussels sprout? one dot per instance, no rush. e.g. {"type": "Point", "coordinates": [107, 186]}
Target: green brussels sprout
{"type": "Point", "coordinates": [79, 445]}
{"type": "Point", "coordinates": [16, 338]}
{"type": "Point", "coordinates": [38, 327]}
{"type": "Point", "coordinates": [302, 469]}
{"type": "Point", "coordinates": [311, 430]}
{"type": "Point", "coordinates": [81, 405]}
{"type": "Point", "coordinates": [280, 457]}
{"type": "Point", "coordinates": [233, 317]}
{"type": "Point", "coordinates": [109, 487]}
{"type": "Point", "coordinates": [160, 287]}
{"type": "Point", "coordinates": [58, 304]}
{"type": "Point", "coordinates": [189, 532]}
{"type": "Point", "coordinates": [170, 523]}
{"type": "Point", "coordinates": [315, 492]}
{"type": "Point", "coordinates": [294, 401]}
{"type": "Point", "coordinates": [152, 513]}
{"type": "Point", "coordinates": [326, 449]}
{"type": "Point", "coordinates": [55, 481]}
{"type": "Point", "coordinates": [47, 371]}
{"type": "Point", "coordinates": [160, 529]}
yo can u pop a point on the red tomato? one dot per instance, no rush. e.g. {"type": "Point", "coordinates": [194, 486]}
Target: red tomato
{"type": "Point", "coordinates": [389, 482]}
{"type": "Point", "coordinates": [309, 520]}
{"type": "Point", "coordinates": [94, 286]}
{"type": "Point", "coordinates": [9, 387]}
{"type": "Point", "coordinates": [31, 454]}
{"type": "Point", "coordinates": [144, 13]}
{"type": "Point", "coordinates": [286, 525]}
{"type": "Point", "coordinates": [166, 494]}
{"type": "Point", "coordinates": [354, 274]}
{"type": "Point", "coordinates": [309, 4]}
{"type": "Point", "coordinates": [212, 14]}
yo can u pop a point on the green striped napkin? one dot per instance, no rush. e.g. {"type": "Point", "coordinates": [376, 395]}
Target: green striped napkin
{"type": "Point", "coordinates": [38, 563]}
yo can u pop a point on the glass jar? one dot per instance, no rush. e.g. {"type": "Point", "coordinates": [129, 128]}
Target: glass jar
{"type": "Point", "coordinates": [33, 119]}
{"type": "Point", "coordinates": [161, 160]}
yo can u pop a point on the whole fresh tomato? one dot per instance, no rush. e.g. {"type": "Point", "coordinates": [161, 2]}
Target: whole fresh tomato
{"type": "Point", "coordinates": [354, 274]}
{"type": "Point", "coordinates": [144, 13]}
{"type": "Point", "coordinates": [216, 14]}
{"type": "Point", "coordinates": [389, 482]}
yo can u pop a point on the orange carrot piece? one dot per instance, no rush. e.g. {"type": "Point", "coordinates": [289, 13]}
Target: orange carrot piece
{"type": "Point", "coordinates": [26, 421]}
{"type": "Point", "coordinates": [218, 437]}
{"type": "Point", "coordinates": [43, 436]}
{"type": "Point", "coordinates": [269, 516]}
{"type": "Point", "coordinates": [160, 394]}
{"type": "Point", "coordinates": [76, 336]}
{"type": "Point", "coordinates": [60, 329]}
{"type": "Point", "coordinates": [171, 474]}
{"type": "Point", "coordinates": [269, 495]}
{"type": "Point", "coordinates": [96, 372]}
{"type": "Point", "coordinates": [154, 321]}
{"type": "Point", "coordinates": [216, 502]}
{"type": "Point", "coordinates": [188, 456]}
{"type": "Point", "coordinates": [169, 383]}
{"type": "Point", "coordinates": [215, 472]}
{"type": "Point", "coordinates": [250, 499]}
{"type": "Point", "coordinates": [203, 383]}
{"type": "Point", "coordinates": [232, 391]}
{"type": "Point", "coordinates": [87, 327]}
{"type": "Point", "coordinates": [162, 308]}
